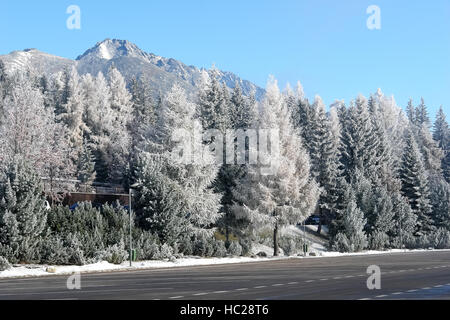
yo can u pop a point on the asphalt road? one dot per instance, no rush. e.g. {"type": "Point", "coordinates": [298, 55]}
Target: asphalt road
{"type": "Point", "coordinates": [422, 275]}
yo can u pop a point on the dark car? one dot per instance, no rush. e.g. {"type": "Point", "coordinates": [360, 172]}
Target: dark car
{"type": "Point", "coordinates": [312, 220]}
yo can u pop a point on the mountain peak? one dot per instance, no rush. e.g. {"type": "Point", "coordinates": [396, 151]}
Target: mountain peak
{"type": "Point", "coordinates": [113, 48]}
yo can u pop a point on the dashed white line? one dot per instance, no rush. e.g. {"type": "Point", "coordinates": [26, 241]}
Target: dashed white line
{"type": "Point", "coordinates": [201, 294]}
{"type": "Point", "coordinates": [241, 289]}
{"type": "Point", "coordinates": [310, 280]}
{"type": "Point", "coordinates": [295, 282]}
{"type": "Point", "coordinates": [177, 297]}
{"type": "Point", "coordinates": [258, 287]}
{"type": "Point", "coordinates": [223, 291]}
{"type": "Point", "coordinates": [381, 296]}
{"type": "Point", "coordinates": [277, 285]}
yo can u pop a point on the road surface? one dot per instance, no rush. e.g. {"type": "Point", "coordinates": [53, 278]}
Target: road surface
{"type": "Point", "coordinates": [416, 275]}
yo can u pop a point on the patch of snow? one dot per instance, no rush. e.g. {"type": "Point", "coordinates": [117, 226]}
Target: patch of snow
{"type": "Point", "coordinates": [104, 52]}
{"type": "Point", "coordinates": [41, 270]}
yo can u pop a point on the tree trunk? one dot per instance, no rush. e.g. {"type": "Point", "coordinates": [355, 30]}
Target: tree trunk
{"type": "Point", "coordinates": [319, 228]}
{"type": "Point", "coordinates": [275, 240]}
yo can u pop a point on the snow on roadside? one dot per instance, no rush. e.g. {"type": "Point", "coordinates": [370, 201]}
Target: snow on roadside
{"type": "Point", "coordinates": [41, 270]}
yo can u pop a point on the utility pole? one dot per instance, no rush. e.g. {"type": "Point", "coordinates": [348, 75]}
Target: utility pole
{"type": "Point", "coordinates": [129, 209]}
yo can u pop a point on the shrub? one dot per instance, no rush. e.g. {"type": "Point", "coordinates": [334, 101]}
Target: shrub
{"type": "Point", "coordinates": [290, 244]}
{"type": "Point", "coordinates": [440, 239]}
{"type": "Point", "coordinates": [203, 247]}
{"type": "Point", "coordinates": [235, 249]}
{"type": "Point", "coordinates": [4, 264]}
{"type": "Point", "coordinates": [219, 249]}
{"type": "Point", "coordinates": [53, 250]}
{"type": "Point", "coordinates": [115, 254]}
{"type": "Point", "coordinates": [165, 252]}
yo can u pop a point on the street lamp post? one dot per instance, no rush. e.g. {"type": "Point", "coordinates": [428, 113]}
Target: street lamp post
{"type": "Point", "coordinates": [129, 209]}
{"type": "Point", "coordinates": [130, 194]}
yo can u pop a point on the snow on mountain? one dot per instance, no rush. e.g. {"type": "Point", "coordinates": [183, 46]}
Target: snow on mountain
{"type": "Point", "coordinates": [162, 73]}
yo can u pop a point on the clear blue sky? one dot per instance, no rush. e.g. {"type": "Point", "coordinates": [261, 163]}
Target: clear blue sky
{"type": "Point", "coordinates": [323, 43]}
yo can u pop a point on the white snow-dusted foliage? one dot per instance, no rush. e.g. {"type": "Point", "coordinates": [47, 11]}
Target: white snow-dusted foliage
{"type": "Point", "coordinates": [377, 177]}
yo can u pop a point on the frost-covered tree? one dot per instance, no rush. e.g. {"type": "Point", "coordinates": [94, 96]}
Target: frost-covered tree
{"type": "Point", "coordinates": [441, 135]}
{"type": "Point", "coordinates": [213, 103]}
{"type": "Point", "coordinates": [86, 167]}
{"type": "Point", "coordinates": [352, 237]}
{"type": "Point", "coordinates": [118, 146]}
{"type": "Point", "coordinates": [421, 113]}
{"type": "Point", "coordinates": [411, 112]}
{"type": "Point", "coordinates": [357, 148]}
{"type": "Point", "coordinates": [180, 168]}
{"type": "Point", "coordinates": [415, 184]}
{"type": "Point", "coordinates": [22, 211]}
{"type": "Point", "coordinates": [324, 161]}
{"type": "Point", "coordinates": [99, 118]}
{"type": "Point", "coordinates": [143, 109]}
{"type": "Point", "coordinates": [440, 202]}
{"type": "Point", "coordinates": [284, 194]}
{"type": "Point", "coordinates": [71, 110]}
{"type": "Point", "coordinates": [28, 129]}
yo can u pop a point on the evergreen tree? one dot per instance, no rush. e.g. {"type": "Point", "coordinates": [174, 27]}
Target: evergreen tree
{"type": "Point", "coordinates": [86, 167]}
{"type": "Point", "coordinates": [352, 238]}
{"type": "Point", "coordinates": [119, 142]}
{"type": "Point", "coordinates": [176, 156]}
{"type": "Point", "coordinates": [411, 112]}
{"type": "Point", "coordinates": [441, 135]}
{"type": "Point", "coordinates": [22, 212]}
{"type": "Point", "coordinates": [284, 193]}
{"type": "Point", "coordinates": [415, 184]}
{"type": "Point", "coordinates": [324, 161]}
{"type": "Point", "coordinates": [72, 109]}
{"type": "Point", "coordinates": [440, 202]}
{"type": "Point", "coordinates": [422, 117]}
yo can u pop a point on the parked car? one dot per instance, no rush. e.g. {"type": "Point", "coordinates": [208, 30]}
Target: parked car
{"type": "Point", "coordinates": [312, 220]}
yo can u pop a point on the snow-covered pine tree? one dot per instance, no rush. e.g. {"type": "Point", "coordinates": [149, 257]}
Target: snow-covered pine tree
{"type": "Point", "coordinates": [324, 161]}
{"type": "Point", "coordinates": [441, 135]}
{"type": "Point", "coordinates": [358, 146]}
{"type": "Point", "coordinates": [411, 112]}
{"type": "Point", "coordinates": [188, 178]}
{"type": "Point", "coordinates": [22, 211]}
{"type": "Point", "coordinates": [405, 221]}
{"type": "Point", "coordinates": [118, 146]}
{"type": "Point", "coordinates": [99, 118]}
{"type": "Point", "coordinates": [421, 113]}
{"type": "Point", "coordinates": [143, 109]}
{"type": "Point", "coordinates": [440, 202]}
{"type": "Point", "coordinates": [242, 111]}
{"type": "Point", "coordinates": [71, 110]}
{"type": "Point", "coordinates": [28, 129]}
{"type": "Point", "coordinates": [415, 184]}
{"type": "Point", "coordinates": [352, 237]}
{"type": "Point", "coordinates": [285, 195]}
{"type": "Point", "coordinates": [86, 167]}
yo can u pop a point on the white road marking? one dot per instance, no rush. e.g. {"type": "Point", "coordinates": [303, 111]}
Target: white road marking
{"type": "Point", "coordinates": [381, 296]}
{"type": "Point", "coordinates": [295, 282]}
{"type": "Point", "coordinates": [310, 280]}
{"type": "Point", "coordinates": [241, 289]}
{"type": "Point", "coordinates": [223, 291]}
{"type": "Point", "coordinates": [277, 285]}
{"type": "Point", "coordinates": [258, 287]}
{"type": "Point", "coordinates": [201, 294]}
{"type": "Point", "coordinates": [177, 297]}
